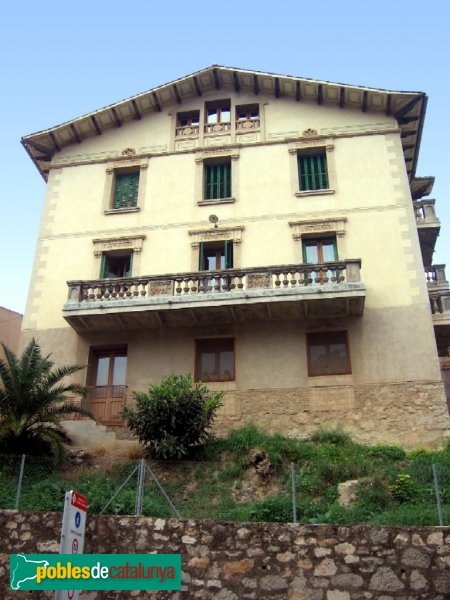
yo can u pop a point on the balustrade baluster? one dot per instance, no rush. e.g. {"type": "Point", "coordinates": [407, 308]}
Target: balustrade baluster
{"type": "Point", "coordinates": [178, 288]}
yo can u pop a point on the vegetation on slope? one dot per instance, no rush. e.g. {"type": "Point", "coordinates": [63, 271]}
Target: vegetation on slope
{"type": "Point", "coordinates": [222, 480]}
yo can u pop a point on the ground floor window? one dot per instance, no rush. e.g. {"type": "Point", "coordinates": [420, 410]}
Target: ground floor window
{"type": "Point", "coordinates": [328, 353]}
{"type": "Point", "coordinates": [214, 360]}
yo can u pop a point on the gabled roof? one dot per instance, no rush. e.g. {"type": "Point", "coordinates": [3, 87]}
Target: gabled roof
{"type": "Point", "coordinates": [407, 107]}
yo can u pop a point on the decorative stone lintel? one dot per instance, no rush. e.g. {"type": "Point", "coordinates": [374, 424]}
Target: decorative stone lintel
{"type": "Point", "coordinates": [126, 163]}
{"type": "Point", "coordinates": [226, 152]}
{"type": "Point", "coordinates": [233, 233]}
{"type": "Point", "coordinates": [132, 242]}
{"type": "Point", "coordinates": [302, 228]}
{"type": "Point", "coordinates": [306, 143]}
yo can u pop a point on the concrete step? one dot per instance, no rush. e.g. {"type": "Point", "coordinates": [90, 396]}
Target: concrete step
{"type": "Point", "coordinates": [86, 434]}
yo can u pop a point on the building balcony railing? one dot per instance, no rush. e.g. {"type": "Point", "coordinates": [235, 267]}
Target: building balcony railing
{"type": "Point", "coordinates": [332, 289]}
{"type": "Point", "coordinates": [246, 124]}
{"type": "Point", "coordinates": [428, 227]}
{"type": "Point", "coordinates": [106, 402]}
{"type": "Point", "coordinates": [439, 295]}
{"type": "Point", "coordinates": [436, 279]}
{"type": "Point", "coordinates": [425, 212]}
{"type": "Point", "coordinates": [187, 130]}
{"type": "Point", "coordinates": [221, 127]}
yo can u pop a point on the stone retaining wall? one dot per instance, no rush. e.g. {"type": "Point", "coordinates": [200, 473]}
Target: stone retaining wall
{"type": "Point", "coordinates": [391, 413]}
{"type": "Point", "coordinates": [254, 561]}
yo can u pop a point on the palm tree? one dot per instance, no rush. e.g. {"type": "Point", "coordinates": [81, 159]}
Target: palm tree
{"type": "Point", "coordinates": [33, 398]}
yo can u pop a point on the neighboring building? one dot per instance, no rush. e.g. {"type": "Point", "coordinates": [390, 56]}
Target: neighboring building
{"type": "Point", "coordinates": [267, 234]}
{"type": "Point", "coordinates": [10, 324]}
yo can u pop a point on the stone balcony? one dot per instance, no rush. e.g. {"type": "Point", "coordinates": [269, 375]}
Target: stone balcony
{"type": "Point", "coordinates": [439, 294]}
{"type": "Point", "coordinates": [428, 226]}
{"type": "Point", "coordinates": [285, 292]}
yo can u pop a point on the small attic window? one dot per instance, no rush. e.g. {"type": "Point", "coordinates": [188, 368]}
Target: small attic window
{"type": "Point", "coordinates": [247, 117]}
{"type": "Point", "coordinates": [188, 123]}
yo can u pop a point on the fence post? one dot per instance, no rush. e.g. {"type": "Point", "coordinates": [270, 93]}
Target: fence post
{"type": "Point", "coordinates": [437, 489]}
{"type": "Point", "coordinates": [140, 488]}
{"type": "Point", "coordinates": [19, 482]}
{"type": "Point", "coordinates": [169, 501]}
{"type": "Point", "coordinates": [294, 496]}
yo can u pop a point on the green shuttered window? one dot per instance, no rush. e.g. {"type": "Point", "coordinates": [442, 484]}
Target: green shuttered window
{"type": "Point", "coordinates": [312, 170]}
{"type": "Point", "coordinates": [218, 181]}
{"type": "Point", "coordinates": [126, 190]}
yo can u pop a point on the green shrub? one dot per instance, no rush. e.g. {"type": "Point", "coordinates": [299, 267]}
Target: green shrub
{"type": "Point", "coordinates": [173, 416]}
{"type": "Point", "coordinates": [403, 488]}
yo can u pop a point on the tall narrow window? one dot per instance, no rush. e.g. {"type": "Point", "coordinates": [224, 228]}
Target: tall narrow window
{"type": "Point", "coordinates": [218, 180]}
{"type": "Point", "coordinates": [216, 255]}
{"type": "Point", "coordinates": [312, 169]}
{"type": "Point", "coordinates": [214, 360]}
{"type": "Point", "coordinates": [328, 353]}
{"type": "Point", "coordinates": [116, 264]}
{"type": "Point", "coordinates": [126, 190]}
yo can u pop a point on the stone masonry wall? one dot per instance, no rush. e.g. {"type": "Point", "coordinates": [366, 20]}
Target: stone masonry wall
{"type": "Point", "coordinates": [254, 561]}
{"type": "Point", "coordinates": [392, 413]}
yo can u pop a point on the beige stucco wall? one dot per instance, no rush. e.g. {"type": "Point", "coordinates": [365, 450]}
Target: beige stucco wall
{"type": "Point", "coordinates": [392, 342]}
{"type": "Point", "coordinates": [10, 324]}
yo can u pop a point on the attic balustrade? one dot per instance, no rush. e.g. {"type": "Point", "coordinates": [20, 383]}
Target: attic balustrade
{"type": "Point", "coordinates": [218, 127]}
{"type": "Point", "coordinates": [226, 281]}
{"type": "Point", "coordinates": [184, 130]}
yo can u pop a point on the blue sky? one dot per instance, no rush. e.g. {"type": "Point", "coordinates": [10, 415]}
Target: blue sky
{"type": "Point", "coordinates": [60, 60]}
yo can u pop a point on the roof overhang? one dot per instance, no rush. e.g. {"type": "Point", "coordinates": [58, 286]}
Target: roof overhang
{"type": "Point", "coordinates": [407, 107]}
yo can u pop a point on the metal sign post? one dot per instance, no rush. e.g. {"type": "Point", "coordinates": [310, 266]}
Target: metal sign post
{"type": "Point", "coordinates": [72, 533]}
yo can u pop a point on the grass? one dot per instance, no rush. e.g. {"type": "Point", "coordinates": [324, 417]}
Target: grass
{"type": "Point", "coordinates": [217, 482]}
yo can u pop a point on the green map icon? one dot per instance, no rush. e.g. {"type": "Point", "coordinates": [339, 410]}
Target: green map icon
{"type": "Point", "coordinates": [23, 569]}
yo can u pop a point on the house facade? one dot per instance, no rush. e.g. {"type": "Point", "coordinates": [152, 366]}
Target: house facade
{"type": "Point", "coordinates": [265, 233]}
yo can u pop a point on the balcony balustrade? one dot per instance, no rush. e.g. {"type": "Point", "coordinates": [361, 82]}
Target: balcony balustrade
{"type": "Point", "coordinates": [428, 227]}
{"type": "Point", "coordinates": [425, 212]}
{"type": "Point", "coordinates": [332, 288]}
{"type": "Point", "coordinates": [187, 130]}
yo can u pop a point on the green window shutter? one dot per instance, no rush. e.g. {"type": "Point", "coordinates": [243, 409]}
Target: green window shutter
{"type": "Point", "coordinates": [228, 254]}
{"type": "Point", "coordinates": [130, 271]}
{"type": "Point", "coordinates": [126, 190]}
{"type": "Point", "coordinates": [313, 172]}
{"type": "Point", "coordinates": [201, 257]}
{"type": "Point", "coordinates": [103, 267]}
{"type": "Point", "coordinates": [218, 181]}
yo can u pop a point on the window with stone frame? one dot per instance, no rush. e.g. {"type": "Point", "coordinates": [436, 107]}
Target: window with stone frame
{"type": "Point", "coordinates": [328, 353]}
{"type": "Point", "coordinates": [312, 170]}
{"type": "Point", "coordinates": [214, 360]}
{"type": "Point", "coordinates": [217, 179]}
{"type": "Point", "coordinates": [116, 263]}
{"type": "Point", "coordinates": [126, 188]}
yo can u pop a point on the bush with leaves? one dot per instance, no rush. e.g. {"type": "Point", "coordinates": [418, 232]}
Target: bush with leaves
{"type": "Point", "coordinates": [173, 416]}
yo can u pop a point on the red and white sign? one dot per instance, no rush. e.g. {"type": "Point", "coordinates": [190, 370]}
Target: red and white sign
{"type": "Point", "coordinates": [72, 533]}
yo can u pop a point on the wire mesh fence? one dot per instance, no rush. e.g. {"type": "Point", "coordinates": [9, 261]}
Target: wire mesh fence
{"type": "Point", "coordinates": [217, 489]}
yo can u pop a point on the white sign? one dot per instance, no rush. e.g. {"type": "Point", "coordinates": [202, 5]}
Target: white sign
{"type": "Point", "coordinates": [72, 533]}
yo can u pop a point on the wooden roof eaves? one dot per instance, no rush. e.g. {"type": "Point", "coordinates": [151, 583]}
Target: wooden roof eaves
{"type": "Point", "coordinates": [153, 93]}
